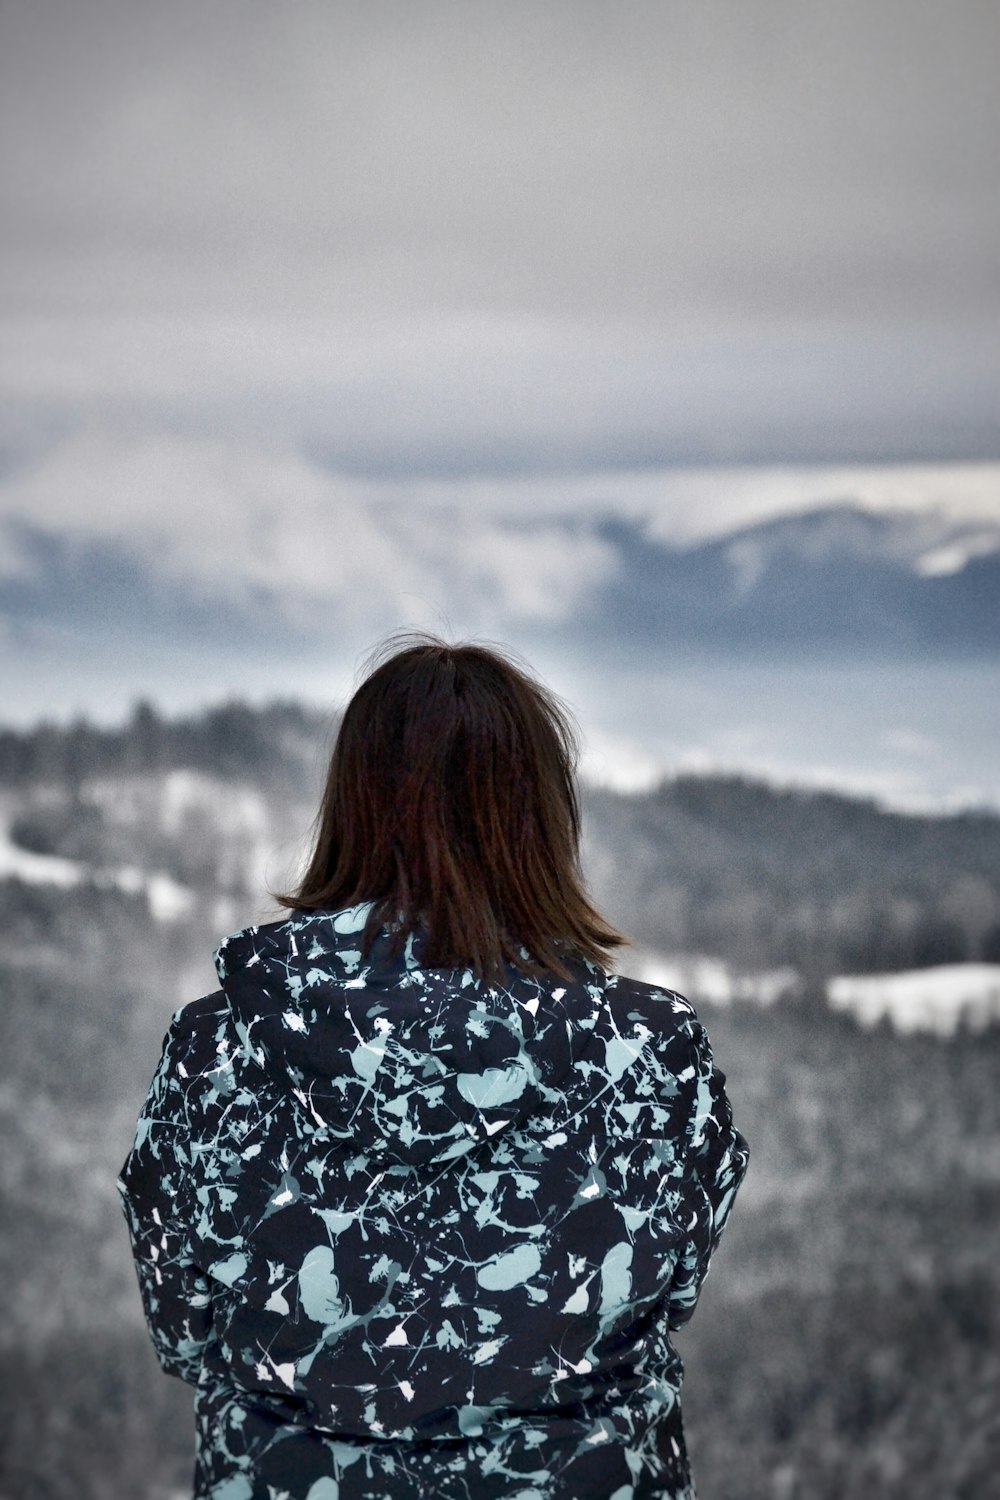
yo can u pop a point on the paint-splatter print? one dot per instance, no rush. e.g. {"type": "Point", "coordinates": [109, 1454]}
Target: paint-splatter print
{"type": "Point", "coordinates": [413, 1235]}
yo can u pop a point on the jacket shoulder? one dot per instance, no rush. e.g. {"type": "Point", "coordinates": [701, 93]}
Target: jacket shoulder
{"type": "Point", "coordinates": [654, 1004]}
{"type": "Point", "coordinates": [196, 1029]}
{"type": "Point", "coordinates": [198, 1049]}
{"type": "Point", "coordinates": [201, 1016]}
{"type": "Point", "coordinates": [637, 1008]}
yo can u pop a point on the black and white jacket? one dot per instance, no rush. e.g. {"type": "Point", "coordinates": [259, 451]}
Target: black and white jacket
{"type": "Point", "coordinates": [410, 1234]}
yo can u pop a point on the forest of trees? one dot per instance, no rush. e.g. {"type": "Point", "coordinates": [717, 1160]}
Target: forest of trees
{"type": "Point", "coordinates": [759, 876]}
{"type": "Point", "coordinates": [233, 740]}
{"type": "Point", "coordinates": [847, 1343]}
{"type": "Point", "coordinates": [826, 883]}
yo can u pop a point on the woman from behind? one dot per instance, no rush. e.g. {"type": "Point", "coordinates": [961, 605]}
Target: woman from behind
{"type": "Point", "coordinates": [419, 1194]}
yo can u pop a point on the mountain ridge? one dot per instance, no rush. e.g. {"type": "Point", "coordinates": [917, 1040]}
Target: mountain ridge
{"type": "Point", "coordinates": [837, 580]}
{"type": "Point", "coordinates": [758, 874]}
{"type": "Point", "coordinates": [822, 582]}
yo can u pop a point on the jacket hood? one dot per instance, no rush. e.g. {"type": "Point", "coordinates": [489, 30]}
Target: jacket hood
{"type": "Point", "coordinates": [415, 1064]}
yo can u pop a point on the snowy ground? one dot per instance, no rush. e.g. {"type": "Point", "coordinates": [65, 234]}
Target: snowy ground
{"type": "Point", "coordinates": [933, 999]}
{"type": "Point", "coordinates": [167, 899]}
{"type": "Point", "coordinates": [922, 999]}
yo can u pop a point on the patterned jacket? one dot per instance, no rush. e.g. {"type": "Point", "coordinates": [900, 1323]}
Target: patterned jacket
{"type": "Point", "coordinates": [412, 1234]}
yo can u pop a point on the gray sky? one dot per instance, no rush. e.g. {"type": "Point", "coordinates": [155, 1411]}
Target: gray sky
{"type": "Point", "coordinates": [488, 236]}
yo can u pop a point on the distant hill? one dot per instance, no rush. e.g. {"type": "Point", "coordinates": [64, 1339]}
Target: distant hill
{"type": "Point", "coordinates": [763, 876]}
{"type": "Point", "coordinates": [833, 581]}
{"type": "Point", "coordinates": [756, 875]}
{"type": "Point", "coordinates": [280, 744]}
{"type": "Point", "coordinates": [840, 579]}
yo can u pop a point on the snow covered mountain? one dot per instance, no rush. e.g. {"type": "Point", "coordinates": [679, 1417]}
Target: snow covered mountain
{"type": "Point", "coordinates": [839, 580]}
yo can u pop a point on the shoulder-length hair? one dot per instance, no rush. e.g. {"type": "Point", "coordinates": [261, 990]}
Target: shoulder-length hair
{"type": "Point", "coordinates": [451, 804]}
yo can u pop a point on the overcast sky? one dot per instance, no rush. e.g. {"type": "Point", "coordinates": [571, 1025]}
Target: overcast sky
{"type": "Point", "coordinates": [448, 237]}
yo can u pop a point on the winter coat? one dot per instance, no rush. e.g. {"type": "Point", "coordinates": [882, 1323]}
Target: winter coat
{"type": "Point", "coordinates": [413, 1235]}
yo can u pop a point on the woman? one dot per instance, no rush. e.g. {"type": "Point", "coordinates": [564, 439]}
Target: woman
{"type": "Point", "coordinates": [419, 1194]}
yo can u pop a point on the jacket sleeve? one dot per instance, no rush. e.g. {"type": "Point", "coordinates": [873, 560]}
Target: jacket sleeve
{"type": "Point", "coordinates": [176, 1295]}
{"type": "Point", "coordinates": [715, 1164]}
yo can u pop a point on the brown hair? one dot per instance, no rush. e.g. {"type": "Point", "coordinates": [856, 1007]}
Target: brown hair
{"type": "Point", "coordinates": [451, 803]}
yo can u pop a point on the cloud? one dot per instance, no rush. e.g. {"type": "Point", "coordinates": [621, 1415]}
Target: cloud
{"type": "Point", "coordinates": [217, 511]}
{"type": "Point", "coordinates": [480, 394]}
{"type": "Point", "coordinates": [640, 160]}
{"type": "Point", "coordinates": [271, 531]}
{"type": "Point", "coordinates": [645, 162]}
{"type": "Point", "coordinates": [468, 237]}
